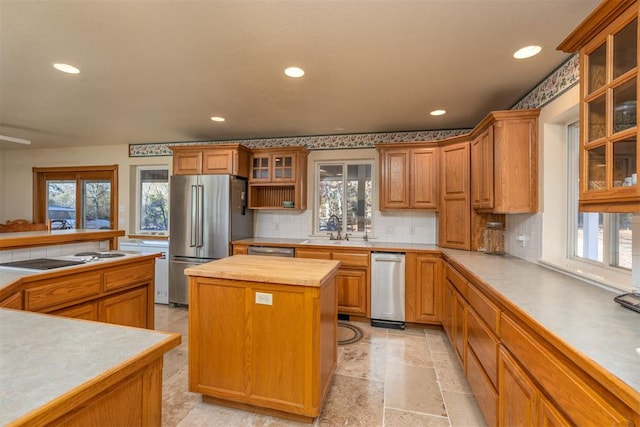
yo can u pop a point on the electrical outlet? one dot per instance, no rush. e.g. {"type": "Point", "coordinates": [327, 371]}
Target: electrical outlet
{"type": "Point", "coordinates": [264, 298]}
{"type": "Point", "coordinates": [389, 229]}
{"type": "Point", "coordinates": [522, 240]}
{"type": "Point", "coordinates": [412, 230]}
{"type": "Point", "coordinates": [276, 226]}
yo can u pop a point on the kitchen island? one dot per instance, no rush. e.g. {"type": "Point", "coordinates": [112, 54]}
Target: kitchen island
{"type": "Point", "coordinates": [55, 370]}
{"type": "Point", "coordinates": [263, 333]}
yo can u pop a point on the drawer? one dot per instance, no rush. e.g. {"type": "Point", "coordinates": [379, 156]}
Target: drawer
{"type": "Point", "coordinates": [456, 279]}
{"type": "Point", "coordinates": [583, 404]}
{"type": "Point", "coordinates": [487, 311]}
{"type": "Point", "coordinates": [313, 254]}
{"type": "Point", "coordinates": [483, 390]}
{"type": "Point", "coordinates": [484, 344]}
{"type": "Point", "coordinates": [126, 275]}
{"type": "Point", "coordinates": [352, 259]}
{"type": "Point", "coordinates": [63, 289]}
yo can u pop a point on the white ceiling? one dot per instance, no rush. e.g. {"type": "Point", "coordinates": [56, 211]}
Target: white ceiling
{"type": "Point", "coordinates": [156, 71]}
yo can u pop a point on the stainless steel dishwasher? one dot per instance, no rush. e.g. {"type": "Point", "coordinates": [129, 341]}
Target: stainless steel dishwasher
{"type": "Point", "coordinates": [387, 290]}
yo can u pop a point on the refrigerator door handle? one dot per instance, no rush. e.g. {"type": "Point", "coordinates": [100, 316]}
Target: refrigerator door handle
{"type": "Point", "coordinates": [200, 215]}
{"type": "Point", "coordinates": [194, 216]}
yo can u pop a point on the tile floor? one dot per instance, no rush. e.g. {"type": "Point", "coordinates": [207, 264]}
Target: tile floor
{"type": "Point", "coordinates": [389, 378]}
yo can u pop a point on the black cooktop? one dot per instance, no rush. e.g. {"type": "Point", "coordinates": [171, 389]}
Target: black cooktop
{"type": "Point", "coordinates": [41, 263]}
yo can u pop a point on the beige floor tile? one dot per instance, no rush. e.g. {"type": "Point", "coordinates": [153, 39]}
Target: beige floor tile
{"type": "Point", "coordinates": [398, 418]}
{"type": "Point", "coordinates": [408, 349]}
{"type": "Point", "coordinates": [177, 401]}
{"type": "Point", "coordinates": [364, 360]}
{"type": "Point", "coordinates": [413, 388]}
{"type": "Point", "coordinates": [449, 371]}
{"type": "Point", "coordinates": [354, 402]}
{"type": "Point", "coordinates": [463, 410]}
{"type": "Point", "coordinates": [375, 383]}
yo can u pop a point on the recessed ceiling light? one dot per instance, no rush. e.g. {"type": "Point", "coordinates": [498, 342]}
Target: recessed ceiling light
{"type": "Point", "coordinates": [527, 52]}
{"type": "Point", "coordinates": [294, 72]}
{"type": "Point", "coordinates": [66, 68]}
{"type": "Point", "coordinates": [217, 119]}
{"type": "Point", "coordinates": [438, 112]}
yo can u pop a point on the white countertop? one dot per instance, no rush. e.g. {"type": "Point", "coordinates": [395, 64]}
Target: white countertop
{"type": "Point", "coordinates": [43, 357]}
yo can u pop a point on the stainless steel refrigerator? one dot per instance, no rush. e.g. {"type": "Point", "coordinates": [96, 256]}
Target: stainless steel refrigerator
{"type": "Point", "coordinates": [207, 212]}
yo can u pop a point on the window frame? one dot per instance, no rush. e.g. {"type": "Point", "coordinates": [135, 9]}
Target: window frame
{"type": "Point", "coordinates": [76, 173]}
{"type": "Point", "coordinates": [609, 222]}
{"type": "Point", "coordinates": [137, 201]}
{"type": "Point", "coordinates": [344, 162]}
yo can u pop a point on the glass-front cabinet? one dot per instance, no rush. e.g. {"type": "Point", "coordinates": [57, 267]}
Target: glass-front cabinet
{"type": "Point", "coordinates": [608, 45]}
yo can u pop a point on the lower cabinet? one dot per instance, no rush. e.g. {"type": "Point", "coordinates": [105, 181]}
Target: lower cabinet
{"type": "Point", "coordinates": [352, 291]}
{"type": "Point", "coordinates": [519, 377]}
{"type": "Point", "coordinates": [121, 294]}
{"type": "Point", "coordinates": [423, 290]}
{"type": "Point", "coordinates": [86, 311]}
{"type": "Point", "coordinates": [127, 308]}
{"type": "Point", "coordinates": [352, 281]}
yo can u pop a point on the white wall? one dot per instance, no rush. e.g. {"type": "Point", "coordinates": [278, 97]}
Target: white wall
{"type": "Point", "coordinates": [16, 188]}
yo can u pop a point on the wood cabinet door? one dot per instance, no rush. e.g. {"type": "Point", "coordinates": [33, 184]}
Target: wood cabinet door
{"type": "Point", "coordinates": [217, 162]}
{"type": "Point", "coordinates": [127, 308]}
{"type": "Point", "coordinates": [13, 301]}
{"type": "Point", "coordinates": [395, 178]}
{"type": "Point", "coordinates": [187, 163]}
{"type": "Point", "coordinates": [260, 168]}
{"type": "Point", "coordinates": [428, 290]}
{"type": "Point", "coordinates": [518, 395]}
{"type": "Point", "coordinates": [448, 312]}
{"type": "Point", "coordinates": [86, 311]}
{"type": "Point", "coordinates": [283, 167]}
{"type": "Point", "coordinates": [424, 178]}
{"type": "Point", "coordinates": [352, 291]}
{"type": "Point", "coordinates": [460, 324]}
{"type": "Point", "coordinates": [482, 170]}
{"type": "Point", "coordinates": [455, 210]}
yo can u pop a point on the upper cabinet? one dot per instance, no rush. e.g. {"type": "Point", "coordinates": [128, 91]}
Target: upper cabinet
{"type": "Point", "coordinates": [504, 162]}
{"type": "Point", "coordinates": [607, 41]}
{"type": "Point", "coordinates": [278, 175]}
{"type": "Point", "coordinates": [408, 176]}
{"type": "Point", "coordinates": [211, 159]}
{"type": "Point", "coordinates": [454, 228]}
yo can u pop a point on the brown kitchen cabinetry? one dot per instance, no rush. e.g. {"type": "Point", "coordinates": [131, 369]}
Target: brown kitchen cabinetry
{"type": "Point", "coordinates": [518, 372]}
{"type": "Point", "coordinates": [12, 301]}
{"type": "Point", "coordinates": [455, 205]}
{"type": "Point", "coordinates": [408, 176]}
{"type": "Point", "coordinates": [504, 162]}
{"type": "Point", "coordinates": [276, 176]}
{"type": "Point", "coordinates": [352, 280]}
{"type": "Point", "coordinates": [121, 294]}
{"type": "Point", "coordinates": [607, 42]}
{"type": "Point", "coordinates": [212, 159]}
{"type": "Point", "coordinates": [423, 288]}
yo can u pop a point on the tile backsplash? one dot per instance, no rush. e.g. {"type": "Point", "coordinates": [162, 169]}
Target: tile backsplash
{"type": "Point", "coordinates": [523, 236]}
{"type": "Point", "coordinates": [407, 227]}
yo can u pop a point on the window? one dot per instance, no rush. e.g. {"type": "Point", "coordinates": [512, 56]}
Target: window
{"type": "Point", "coordinates": [83, 198]}
{"type": "Point", "coordinates": [344, 197]}
{"type": "Point", "coordinates": [152, 200]}
{"type": "Point", "coordinates": [599, 238]}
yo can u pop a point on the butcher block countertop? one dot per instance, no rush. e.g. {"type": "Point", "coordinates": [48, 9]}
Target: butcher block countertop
{"type": "Point", "coordinates": [266, 269]}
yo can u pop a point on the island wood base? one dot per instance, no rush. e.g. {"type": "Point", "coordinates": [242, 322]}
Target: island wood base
{"type": "Point", "coordinates": [264, 346]}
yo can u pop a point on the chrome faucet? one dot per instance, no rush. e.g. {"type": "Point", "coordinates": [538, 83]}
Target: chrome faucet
{"type": "Point", "coordinates": [339, 235]}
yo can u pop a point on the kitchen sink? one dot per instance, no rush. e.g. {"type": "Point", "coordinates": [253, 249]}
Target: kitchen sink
{"type": "Point", "coordinates": [328, 242]}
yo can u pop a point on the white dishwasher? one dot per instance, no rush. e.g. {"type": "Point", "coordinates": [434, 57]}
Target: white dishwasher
{"type": "Point", "coordinates": [387, 290]}
{"type": "Point", "coordinates": [162, 265]}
